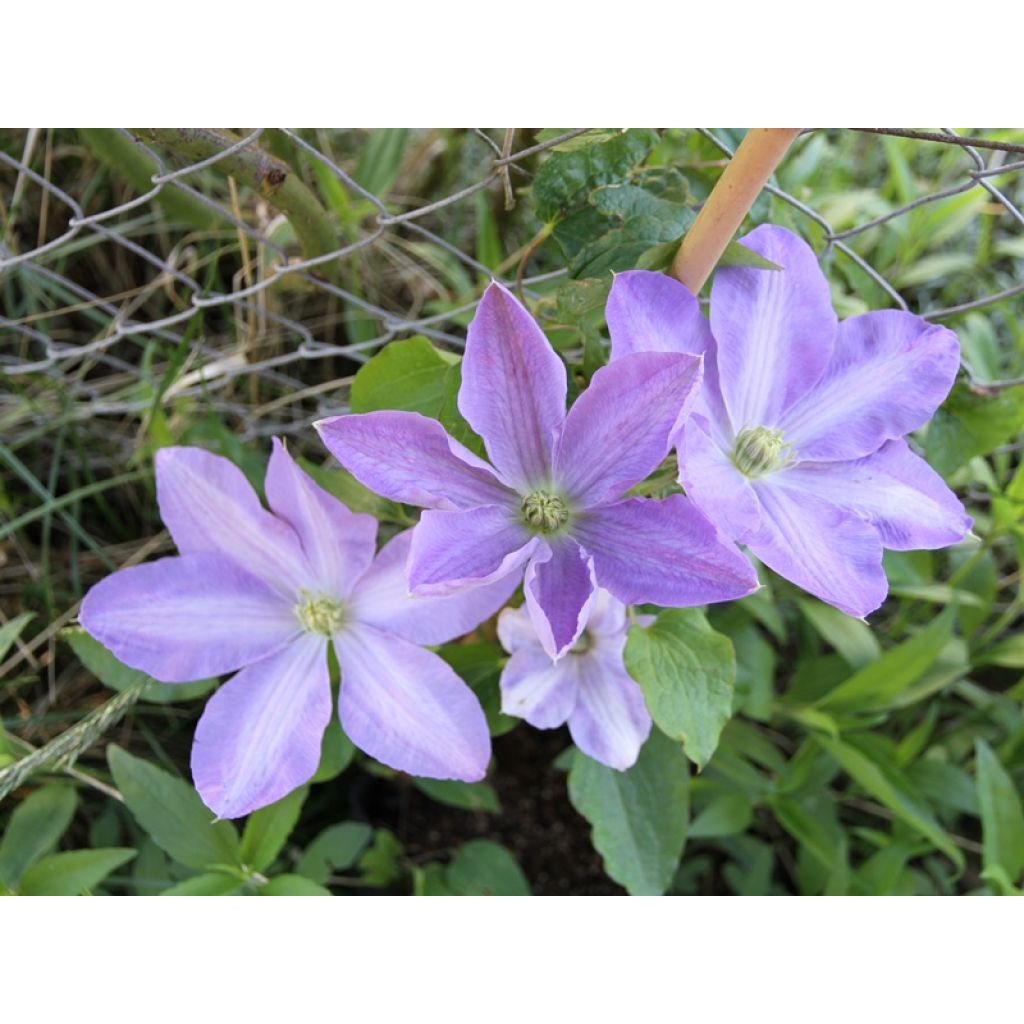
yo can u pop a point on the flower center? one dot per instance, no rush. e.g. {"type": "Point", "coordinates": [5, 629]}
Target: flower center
{"type": "Point", "coordinates": [759, 450]}
{"type": "Point", "coordinates": [582, 645]}
{"type": "Point", "coordinates": [544, 512]}
{"type": "Point", "coordinates": [319, 613]}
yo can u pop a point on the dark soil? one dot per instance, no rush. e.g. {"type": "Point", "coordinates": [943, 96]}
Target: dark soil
{"type": "Point", "coordinates": [537, 822]}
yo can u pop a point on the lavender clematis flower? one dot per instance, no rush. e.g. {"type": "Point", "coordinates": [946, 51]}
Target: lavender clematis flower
{"type": "Point", "coordinates": [795, 448]}
{"type": "Point", "coordinates": [589, 688]}
{"type": "Point", "coordinates": [266, 593]}
{"type": "Point", "coordinates": [552, 501]}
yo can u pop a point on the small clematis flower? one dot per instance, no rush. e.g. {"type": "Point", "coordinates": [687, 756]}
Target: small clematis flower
{"type": "Point", "coordinates": [796, 448]}
{"type": "Point", "coordinates": [589, 688]}
{"type": "Point", "coordinates": [553, 498]}
{"type": "Point", "coordinates": [266, 593]}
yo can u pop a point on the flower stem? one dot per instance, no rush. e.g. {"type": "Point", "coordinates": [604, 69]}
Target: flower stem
{"type": "Point", "coordinates": [271, 178]}
{"type": "Point", "coordinates": [732, 197]}
{"type": "Point", "coordinates": [133, 164]}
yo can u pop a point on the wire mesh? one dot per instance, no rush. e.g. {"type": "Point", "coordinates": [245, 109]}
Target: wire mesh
{"type": "Point", "coordinates": [75, 338]}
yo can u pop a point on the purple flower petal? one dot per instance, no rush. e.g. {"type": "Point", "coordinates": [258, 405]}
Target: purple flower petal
{"type": "Point", "coordinates": [408, 457]}
{"type": "Point", "coordinates": [650, 312]}
{"type": "Point", "coordinates": [537, 689]}
{"type": "Point", "coordinates": [188, 618]}
{"type": "Point", "coordinates": [665, 552]}
{"type": "Point", "coordinates": [405, 707]}
{"type": "Point", "coordinates": [513, 389]}
{"type": "Point", "coordinates": [516, 630]}
{"type": "Point", "coordinates": [260, 734]}
{"type": "Point", "coordinates": [774, 328]}
{"type": "Point", "coordinates": [714, 484]}
{"type": "Point", "coordinates": [559, 589]}
{"type": "Point", "coordinates": [831, 553]}
{"type": "Point", "coordinates": [607, 616]}
{"type": "Point", "coordinates": [455, 550]}
{"type": "Point", "coordinates": [895, 490]}
{"type": "Point", "coordinates": [210, 508]}
{"type": "Point", "coordinates": [709, 404]}
{"type": "Point", "coordinates": [610, 721]}
{"type": "Point", "coordinates": [382, 599]}
{"type": "Point", "coordinates": [623, 425]}
{"type": "Point", "coordinates": [338, 543]}
{"type": "Point", "coordinates": [890, 371]}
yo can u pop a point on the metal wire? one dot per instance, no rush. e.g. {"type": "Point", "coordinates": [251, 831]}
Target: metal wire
{"type": "Point", "coordinates": [75, 339]}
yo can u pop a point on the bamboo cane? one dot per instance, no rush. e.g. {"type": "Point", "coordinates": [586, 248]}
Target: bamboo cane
{"type": "Point", "coordinates": [733, 195]}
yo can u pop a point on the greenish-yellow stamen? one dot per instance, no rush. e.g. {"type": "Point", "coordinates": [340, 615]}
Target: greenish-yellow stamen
{"type": "Point", "coordinates": [319, 613]}
{"type": "Point", "coordinates": [544, 512]}
{"type": "Point", "coordinates": [582, 645]}
{"type": "Point", "coordinates": [759, 450]}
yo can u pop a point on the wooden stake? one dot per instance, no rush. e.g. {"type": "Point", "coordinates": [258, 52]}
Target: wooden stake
{"type": "Point", "coordinates": [732, 197]}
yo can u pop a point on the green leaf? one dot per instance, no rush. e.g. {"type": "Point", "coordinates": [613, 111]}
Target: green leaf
{"type": "Point", "coordinates": [853, 639]}
{"type": "Point", "coordinates": [872, 769]}
{"type": "Point", "coordinates": [292, 885]}
{"type": "Point", "coordinates": [1000, 882]}
{"type": "Point", "coordinates": [1008, 653]}
{"type": "Point", "coordinates": [564, 178]}
{"type": "Point", "coordinates": [738, 255]}
{"type": "Point", "coordinates": [593, 137]}
{"type": "Point", "coordinates": [336, 753]}
{"type": "Point", "coordinates": [881, 682]}
{"type": "Point", "coordinates": [480, 664]}
{"type": "Point", "coordinates": [380, 863]}
{"type": "Point", "coordinates": [724, 816]}
{"type": "Point", "coordinates": [931, 269]}
{"type": "Point", "coordinates": [118, 676]}
{"type": "Point", "coordinates": [431, 880]}
{"type": "Point", "coordinates": [755, 673]}
{"type": "Point", "coordinates": [407, 375]}
{"type": "Point", "coordinates": [171, 811]}
{"type": "Point", "coordinates": [634, 219]}
{"type": "Point", "coordinates": [345, 487]}
{"type": "Point", "coordinates": [970, 424]}
{"type": "Point", "coordinates": [335, 849]}
{"type": "Point", "coordinates": [638, 817]}
{"type": "Point", "coordinates": [885, 872]}
{"type": "Point", "coordinates": [10, 631]}
{"type": "Point", "coordinates": [581, 300]}
{"type": "Point", "coordinates": [380, 159]}
{"type": "Point", "coordinates": [470, 796]}
{"type": "Point", "coordinates": [483, 868]}
{"type": "Point", "coordinates": [69, 874]}
{"type": "Point", "coordinates": [210, 883]}
{"type": "Point", "coordinates": [810, 829]}
{"type": "Point", "coordinates": [213, 433]}
{"type": "Point", "coordinates": [1002, 818]}
{"type": "Point", "coordinates": [687, 672]}
{"type": "Point", "coordinates": [267, 830]}
{"type": "Point", "coordinates": [149, 869]}
{"type": "Point", "coordinates": [35, 828]}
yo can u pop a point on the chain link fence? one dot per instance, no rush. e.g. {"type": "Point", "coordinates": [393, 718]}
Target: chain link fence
{"type": "Point", "coordinates": [305, 287]}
